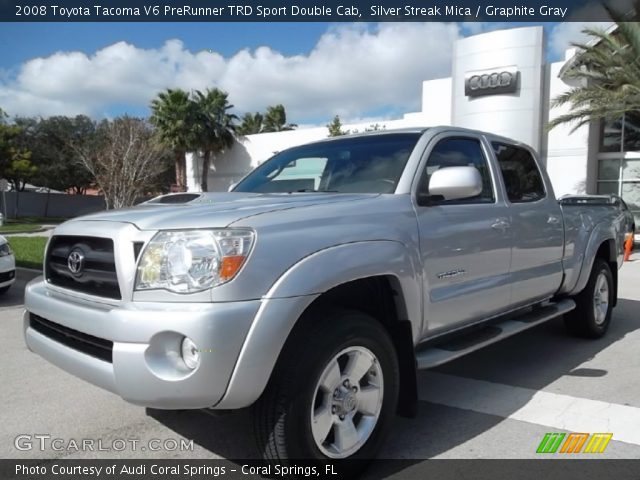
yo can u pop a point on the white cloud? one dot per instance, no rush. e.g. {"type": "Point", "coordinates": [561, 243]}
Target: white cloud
{"type": "Point", "coordinates": [566, 33]}
{"type": "Point", "coordinates": [352, 71]}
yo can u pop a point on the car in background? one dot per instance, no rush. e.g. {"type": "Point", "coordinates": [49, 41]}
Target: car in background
{"type": "Point", "coordinates": [628, 214]}
{"type": "Point", "coordinates": [7, 266]}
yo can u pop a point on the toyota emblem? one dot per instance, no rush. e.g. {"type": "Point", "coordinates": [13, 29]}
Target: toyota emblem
{"type": "Point", "coordinates": [75, 262]}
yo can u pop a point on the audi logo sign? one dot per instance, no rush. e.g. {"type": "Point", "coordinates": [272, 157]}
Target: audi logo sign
{"type": "Point", "coordinates": [491, 83]}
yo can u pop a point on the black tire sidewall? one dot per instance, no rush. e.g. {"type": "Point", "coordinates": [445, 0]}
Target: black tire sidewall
{"type": "Point", "coordinates": [351, 329]}
{"type": "Point", "coordinates": [590, 325]}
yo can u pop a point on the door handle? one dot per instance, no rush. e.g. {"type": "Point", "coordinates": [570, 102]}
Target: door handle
{"type": "Point", "coordinates": [500, 224]}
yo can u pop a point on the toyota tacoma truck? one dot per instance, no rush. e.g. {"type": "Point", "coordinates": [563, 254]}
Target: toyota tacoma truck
{"type": "Point", "coordinates": [316, 287]}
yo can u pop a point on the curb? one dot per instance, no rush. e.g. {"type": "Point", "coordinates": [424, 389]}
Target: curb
{"type": "Point", "coordinates": [23, 232]}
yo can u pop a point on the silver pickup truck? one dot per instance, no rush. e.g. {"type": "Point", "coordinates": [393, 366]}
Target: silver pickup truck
{"type": "Point", "coordinates": [316, 287]}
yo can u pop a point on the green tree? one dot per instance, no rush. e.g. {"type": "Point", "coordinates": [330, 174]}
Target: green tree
{"type": "Point", "coordinates": [174, 116]}
{"type": "Point", "coordinates": [15, 159]}
{"type": "Point", "coordinates": [275, 120]}
{"type": "Point", "coordinates": [52, 142]}
{"type": "Point", "coordinates": [335, 128]}
{"type": "Point", "coordinates": [606, 71]}
{"type": "Point", "coordinates": [216, 127]}
{"type": "Point", "coordinates": [251, 124]}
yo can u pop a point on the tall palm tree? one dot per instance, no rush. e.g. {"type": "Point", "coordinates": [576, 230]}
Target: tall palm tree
{"type": "Point", "coordinates": [275, 120]}
{"type": "Point", "coordinates": [216, 127]}
{"type": "Point", "coordinates": [252, 123]}
{"type": "Point", "coordinates": [173, 116]}
{"type": "Point", "coordinates": [607, 74]}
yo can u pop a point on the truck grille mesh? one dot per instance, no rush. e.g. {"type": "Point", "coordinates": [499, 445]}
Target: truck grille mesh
{"type": "Point", "coordinates": [96, 273]}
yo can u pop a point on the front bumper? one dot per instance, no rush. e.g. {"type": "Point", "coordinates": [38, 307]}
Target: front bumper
{"type": "Point", "coordinates": [146, 368]}
{"type": "Point", "coordinates": [7, 270]}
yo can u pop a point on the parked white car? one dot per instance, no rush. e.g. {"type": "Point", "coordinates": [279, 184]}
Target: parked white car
{"type": "Point", "coordinates": [7, 266]}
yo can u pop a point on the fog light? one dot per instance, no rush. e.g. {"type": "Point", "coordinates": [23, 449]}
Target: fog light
{"type": "Point", "coordinates": [190, 354]}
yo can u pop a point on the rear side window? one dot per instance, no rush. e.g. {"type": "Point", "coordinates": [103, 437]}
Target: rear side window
{"type": "Point", "coordinates": [520, 173]}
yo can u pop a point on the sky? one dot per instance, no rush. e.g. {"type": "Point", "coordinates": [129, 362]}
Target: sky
{"type": "Point", "coordinates": [317, 70]}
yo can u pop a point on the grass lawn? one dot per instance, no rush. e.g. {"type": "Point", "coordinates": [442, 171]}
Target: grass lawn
{"type": "Point", "coordinates": [29, 251]}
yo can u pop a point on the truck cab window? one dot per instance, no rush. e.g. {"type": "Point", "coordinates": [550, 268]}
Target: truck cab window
{"type": "Point", "coordinates": [521, 176]}
{"type": "Point", "coordinates": [459, 152]}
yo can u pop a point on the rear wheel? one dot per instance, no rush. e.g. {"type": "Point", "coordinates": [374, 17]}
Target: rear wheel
{"type": "Point", "coordinates": [594, 304]}
{"type": "Point", "coordinates": [333, 392]}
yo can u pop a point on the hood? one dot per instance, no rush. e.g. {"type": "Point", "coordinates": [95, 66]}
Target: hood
{"type": "Point", "coordinates": [216, 209]}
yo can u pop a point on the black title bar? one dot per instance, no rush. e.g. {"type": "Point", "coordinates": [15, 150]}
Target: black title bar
{"type": "Point", "coordinates": [302, 11]}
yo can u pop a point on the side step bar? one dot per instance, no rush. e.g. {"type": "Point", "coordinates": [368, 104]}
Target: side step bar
{"type": "Point", "coordinates": [432, 356]}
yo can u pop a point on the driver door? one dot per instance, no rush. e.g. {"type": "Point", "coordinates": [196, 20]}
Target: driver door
{"type": "Point", "coordinates": [465, 245]}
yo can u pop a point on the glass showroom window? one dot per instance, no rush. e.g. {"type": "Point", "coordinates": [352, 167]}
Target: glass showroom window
{"type": "Point", "coordinates": [619, 160]}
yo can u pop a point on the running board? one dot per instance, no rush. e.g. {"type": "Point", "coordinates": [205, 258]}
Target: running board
{"type": "Point", "coordinates": [432, 356]}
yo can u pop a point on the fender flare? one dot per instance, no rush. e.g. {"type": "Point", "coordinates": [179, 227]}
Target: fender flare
{"type": "Point", "coordinates": [296, 289]}
{"type": "Point", "coordinates": [601, 233]}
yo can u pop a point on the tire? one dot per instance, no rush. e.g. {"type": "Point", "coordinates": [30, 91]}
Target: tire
{"type": "Point", "coordinates": [4, 290]}
{"type": "Point", "coordinates": [315, 376]}
{"type": "Point", "coordinates": [592, 315]}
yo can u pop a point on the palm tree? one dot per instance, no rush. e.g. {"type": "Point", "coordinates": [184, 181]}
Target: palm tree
{"type": "Point", "coordinates": [275, 120]}
{"type": "Point", "coordinates": [216, 127]}
{"type": "Point", "coordinates": [607, 74]}
{"type": "Point", "coordinates": [173, 116]}
{"type": "Point", "coordinates": [252, 123]}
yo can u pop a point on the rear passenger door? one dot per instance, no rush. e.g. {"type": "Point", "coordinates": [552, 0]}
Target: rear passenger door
{"type": "Point", "coordinates": [465, 245]}
{"type": "Point", "coordinates": [536, 225]}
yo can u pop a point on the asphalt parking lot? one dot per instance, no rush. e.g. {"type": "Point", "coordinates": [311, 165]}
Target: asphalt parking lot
{"type": "Point", "coordinates": [497, 403]}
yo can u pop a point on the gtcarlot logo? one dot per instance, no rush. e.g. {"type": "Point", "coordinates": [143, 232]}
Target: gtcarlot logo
{"type": "Point", "coordinates": [46, 442]}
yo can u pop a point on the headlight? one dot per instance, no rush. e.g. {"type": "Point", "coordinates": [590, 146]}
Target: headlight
{"type": "Point", "coordinates": [188, 261]}
{"type": "Point", "coordinates": [5, 250]}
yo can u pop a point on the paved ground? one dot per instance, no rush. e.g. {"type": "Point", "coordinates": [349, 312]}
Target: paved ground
{"type": "Point", "coordinates": [496, 403]}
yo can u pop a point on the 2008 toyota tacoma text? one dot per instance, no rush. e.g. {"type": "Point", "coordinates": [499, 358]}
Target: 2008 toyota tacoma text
{"type": "Point", "coordinates": [316, 287]}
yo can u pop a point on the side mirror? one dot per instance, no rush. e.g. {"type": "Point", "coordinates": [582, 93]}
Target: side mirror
{"type": "Point", "coordinates": [453, 183]}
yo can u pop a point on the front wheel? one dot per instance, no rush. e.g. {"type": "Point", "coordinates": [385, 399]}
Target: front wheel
{"type": "Point", "coordinates": [594, 305]}
{"type": "Point", "coordinates": [333, 392]}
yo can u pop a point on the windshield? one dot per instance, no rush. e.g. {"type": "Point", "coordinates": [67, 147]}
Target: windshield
{"type": "Point", "coordinates": [367, 164]}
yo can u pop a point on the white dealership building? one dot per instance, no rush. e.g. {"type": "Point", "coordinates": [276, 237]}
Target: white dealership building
{"type": "Point", "coordinates": [500, 83]}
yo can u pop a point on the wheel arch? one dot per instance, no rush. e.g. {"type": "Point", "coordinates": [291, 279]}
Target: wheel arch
{"type": "Point", "coordinates": [343, 276]}
{"type": "Point", "coordinates": [601, 244]}
{"type": "Point", "coordinates": [380, 297]}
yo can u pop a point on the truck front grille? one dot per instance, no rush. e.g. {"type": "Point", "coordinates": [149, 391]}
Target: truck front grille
{"type": "Point", "coordinates": [91, 269]}
{"type": "Point", "coordinates": [82, 342]}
